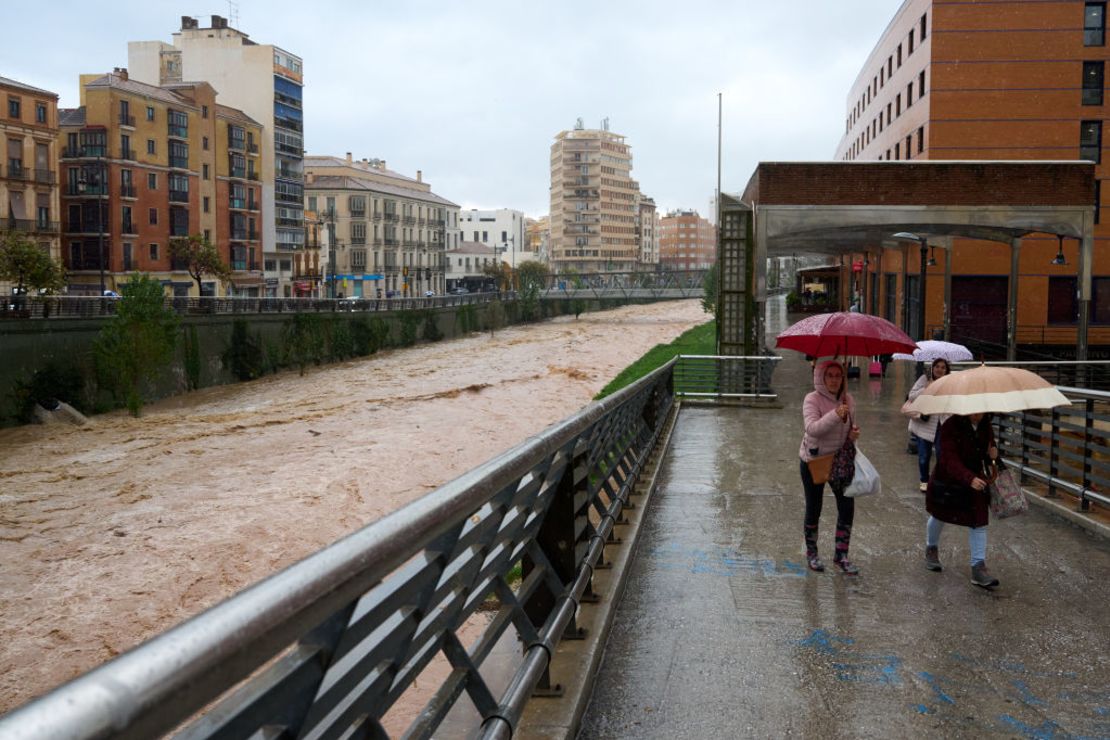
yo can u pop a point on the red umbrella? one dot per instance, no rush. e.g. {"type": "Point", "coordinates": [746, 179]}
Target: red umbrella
{"type": "Point", "coordinates": [843, 334]}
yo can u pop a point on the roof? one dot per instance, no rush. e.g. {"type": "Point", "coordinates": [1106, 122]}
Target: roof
{"type": "Point", "coordinates": [345, 182]}
{"type": "Point", "coordinates": [71, 116]}
{"type": "Point", "coordinates": [226, 111]}
{"type": "Point", "coordinates": [472, 248]}
{"type": "Point", "coordinates": [135, 87]}
{"type": "Point", "coordinates": [323, 160]}
{"type": "Point", "coordinates": [8, 82]}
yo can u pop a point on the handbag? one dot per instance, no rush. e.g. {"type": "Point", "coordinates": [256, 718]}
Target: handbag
{"type": "Point", "coordinates": [1007, 498]}
{"type": "Point", "coordinates": [843, 466]}
{"type": "Point", "coordinates": [866, 480]}
{"type": "Point", "coordinates": [875, 369]}
{"type": "Point", "coordinates": [819, 468]}
{"type": "Point", "coordinates": [910, 412]}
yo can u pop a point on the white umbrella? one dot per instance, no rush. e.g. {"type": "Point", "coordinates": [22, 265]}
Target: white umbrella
{"type": "Point", "coordinates": [932, 349]}
{"type": "Point", "coordinates": [986, 389]}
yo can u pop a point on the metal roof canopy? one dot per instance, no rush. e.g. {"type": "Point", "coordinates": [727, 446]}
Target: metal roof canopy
{"type": "Point", "coordinates": [835, 208]}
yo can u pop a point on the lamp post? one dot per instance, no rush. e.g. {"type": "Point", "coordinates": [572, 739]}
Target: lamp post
{"type": "Point", "coordinates": [906, 236]}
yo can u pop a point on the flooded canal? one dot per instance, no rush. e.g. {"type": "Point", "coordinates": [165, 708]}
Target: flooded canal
{"type": "Point", "coordinates": [113, 532]}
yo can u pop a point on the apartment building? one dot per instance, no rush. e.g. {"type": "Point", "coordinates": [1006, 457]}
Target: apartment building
{"type": "Point", "coordinates": [29, 170]}
{"type": "Point", "coordinates": [686, 241]}
{"type": "Point", "coordinates": [593, 202]}
{"type": "Point", "coordinates": [1004, 80]}
{"type": "Point", "coordinates": [388, 231]}
{"type": "Point", "coordinates": [647, 231]}
{"type": "Point", "coordinates": [265, 82]}
{"type": "Point", "coordinates": [539, 238]}
{"type": "Point", "coordinates": [142, 165]}
{"type": "Point", "coordinates": [466, 268]}
{"type": "Point", "coordinates": [500, 228]}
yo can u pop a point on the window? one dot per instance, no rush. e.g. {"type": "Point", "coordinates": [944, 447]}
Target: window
{"type": "Point", "coordinates": [150, 116]}
{"type": "Point", "coordinates": [909, 149]}
{"type": "Point", "coordinates": [40, 113]}
{"type": "Point", "coordinates": [1092, 82]}
{"type": "Point", "coordinates": [204, 111]}
{"type": "Point", "coordinates": [153, 216]}
{"type": "Point", "coordinates": [1094, 24]}
{"type": "Point", "coordinates": [898, 151]}
{"type": "Point", "coordinates": [888, 116]}
{"type": "Point", "coordinates": [909, 95]}
{"type": "Point", "coordinates": [204, 143]}
{"type": "Point", "coordinates": [150, 147]}
{"type": "Point", "coordinates": [128, 226]}
{"type": "Point", "coordinates": [204, 171]}
{"type": "Point", "coordinates": [13, 107]}
{"type": "Point", "coordinates": [899, 56]}
{"type": "Point", "coordinates": [923, 26]}
{"type": "Point", "coordinates": [1063, 304]}
{"type": "Point", "coordinates": [270, 265]}
{"type": "Point", "coordinates": [1098, 199]}
{"type": "Point", "coordinates": [921, 84]}
{"type": "Point", "coordinates": [127, 263]}
{"type": "Point", "coordinates": [312, 203]}
{"type": "Point", "coordinates": [890, 66]}
{"type": "Point", "coordinates": [898, 105]}
{"type": "Point", "coordinates": [153, 252]}
{"type": "Point", "coordinates": [920, 139]}
{"type": "Point", "coordinates": [1090, 141]}
{"type": "Point", "coordinates": [205, 204]}
{"type": "Point", "coordinates": [911, 42]}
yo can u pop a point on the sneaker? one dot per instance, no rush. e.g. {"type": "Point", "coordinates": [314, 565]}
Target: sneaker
{"type": "Point", "coordinates": [932, 559]}
{"type": "Point", "coordinates": [815, 563]}
{"type": "Point", "coordinates": [847, 567]}
{"type": "Point", "coordinates": [981, 577]}
{"type": "Point", "coordinates": [923, 486]}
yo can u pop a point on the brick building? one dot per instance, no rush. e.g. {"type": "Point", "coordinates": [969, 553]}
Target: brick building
{"type": "Point", "coordinates": [1003, 80]}
{"type": "Point", "coordinates": [686, 241]}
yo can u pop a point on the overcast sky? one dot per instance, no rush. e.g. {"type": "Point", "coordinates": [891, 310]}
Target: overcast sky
{"type": "Point", "coordinates": [473, 93]}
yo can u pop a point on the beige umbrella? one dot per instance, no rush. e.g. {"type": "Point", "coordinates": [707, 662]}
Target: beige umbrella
{"type": "Point", "coordinates": [988, 389]}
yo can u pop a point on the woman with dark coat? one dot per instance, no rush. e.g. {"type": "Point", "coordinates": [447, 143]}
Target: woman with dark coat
{"type": "Point", "coordinates": [957, 492]}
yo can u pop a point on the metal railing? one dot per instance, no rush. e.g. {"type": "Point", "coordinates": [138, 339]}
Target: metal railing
{"type": "Point", "coordinates": [91, 306]}
{"type": "Point", "coordinates": [1066, 448]}
{"type": "Point", "coordinates": [721, 377]}
{"type": "Point", "coordinates": [334, 640]}
{"type": "Point", "coordinates": [1089, 374]}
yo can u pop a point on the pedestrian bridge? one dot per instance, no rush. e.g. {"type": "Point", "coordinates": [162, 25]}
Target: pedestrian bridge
{"type": "Point", "coordinates": [663, 594]}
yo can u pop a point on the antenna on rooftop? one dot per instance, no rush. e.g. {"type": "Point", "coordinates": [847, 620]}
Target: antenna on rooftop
{"type": "Point", "coordinates": [233, 13]}
{"type": "Point", "coordinates": [578, 126]}
{"type": "Point", "coordinates": [605, 123]}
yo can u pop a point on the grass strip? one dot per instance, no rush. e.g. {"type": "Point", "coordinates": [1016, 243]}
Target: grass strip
{"type": "Point", "coordinates": [701, 340]}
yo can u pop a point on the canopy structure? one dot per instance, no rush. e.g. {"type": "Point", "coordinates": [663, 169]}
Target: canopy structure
{"type": "Point", "coordinates": [841, 208]}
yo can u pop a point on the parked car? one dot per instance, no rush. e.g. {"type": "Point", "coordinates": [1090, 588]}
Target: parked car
{"type": "Point", "coordinates": [460, 291]}
{"type": "Point", "coordinates": [429, 293]}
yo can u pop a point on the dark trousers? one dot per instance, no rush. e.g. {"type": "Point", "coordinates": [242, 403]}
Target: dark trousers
{"type": "Point", "coordinates": [845, 506]}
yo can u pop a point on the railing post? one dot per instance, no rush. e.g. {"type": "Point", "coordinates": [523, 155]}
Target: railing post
{"type": "Point", "coordinates": [1088, 436]}
{"type": "Point", "coordinates": [563, 548]}
{"type": "Point", "coordinates": [1053, 454]}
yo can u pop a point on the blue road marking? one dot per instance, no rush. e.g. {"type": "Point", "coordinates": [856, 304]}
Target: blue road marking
{"type": "Point", "coordinates": [934, 684]}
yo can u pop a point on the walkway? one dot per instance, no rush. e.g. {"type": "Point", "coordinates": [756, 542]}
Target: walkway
{"type": "Point", "coordinates": [724, 633]}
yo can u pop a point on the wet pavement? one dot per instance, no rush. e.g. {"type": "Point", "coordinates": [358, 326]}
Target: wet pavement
{"type": "Point", "coordinates": [723, 632]}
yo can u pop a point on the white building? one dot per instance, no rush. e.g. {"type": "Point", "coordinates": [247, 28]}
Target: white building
{"type": "Point", "coordinates": [263, 81]}
{"type": "Point", "coordinates": [502, 229]}
{"type": "Point", "coordinates": [466, 267]}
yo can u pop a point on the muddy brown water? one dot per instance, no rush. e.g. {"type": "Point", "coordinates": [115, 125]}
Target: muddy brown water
{"type": "Point", "coordinates": [113, 532]}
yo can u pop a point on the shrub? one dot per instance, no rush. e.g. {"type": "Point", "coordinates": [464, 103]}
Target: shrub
{"type": "Point", "coordinates": [244, 356]}
{"type": "Point", "coordinates": [431, 327]}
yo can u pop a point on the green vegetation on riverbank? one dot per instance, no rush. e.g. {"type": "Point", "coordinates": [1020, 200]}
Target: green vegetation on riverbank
{"type": "Point", "coordinates": [701, 340]}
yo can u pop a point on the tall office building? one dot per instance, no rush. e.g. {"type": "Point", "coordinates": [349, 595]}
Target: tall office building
{"type": "Point", "coordinates": [265, 82]}
{"type": "Point", "coordinates": [1005, 80]}
{"type": "Point", "coordinates": [594, 202]}
{"type": "Point", "coordinates": [28, 173]}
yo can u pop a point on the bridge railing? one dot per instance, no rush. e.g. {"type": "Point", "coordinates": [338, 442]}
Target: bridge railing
{"type": "Point", "coordinates": [69, 306]}
{"type": "Point", "coordinates": [1066, 448]}
{"type": "Point", "coordinates": [1088, 374]}
{"type": "Point", "coordinates": [722, 377]}
{"type": "Point", "coordinates": [327, 646]}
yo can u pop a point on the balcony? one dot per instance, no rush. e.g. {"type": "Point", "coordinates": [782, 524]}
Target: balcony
{"type": "Point", "coordinates": [128, 154]}
{"type": "Point", "coordinates": [285, 149]}
{"type": "Point", "coordinates": [83, 227]}
{"type": "Point", "coordinates": [287, 198]}
{"type": "Point", "coordinates": [89, 190]}
{"type": "Point", "coordinates": [377, 216]}
{"type": "Point", "coordinates": [128, 228]}
{"type": "Point", "coordinates": [359, 240]}
{"type": "Point", "coordinates": [237, 145]}
{"type": "Point", "coordinates": [390, 242]}
{"type": "Point", "coordinates": [253, 149]}
{"type": "Point", "coordinates": [126, 120]}
{"type": "Point", "coordinates": [238, 235]}
{"type": "Point", "coordinates": [177, 132]}
{"type": "Point", "coordinates": [179, 196]}
{"type": "Point", "coordinates": [389, 216]}
{"type": "Point", "coordinates": [44, 177]}
{"type": "Point", "coordinates": [252, 175]}
{"type": "Point", "coordinates": [32, 226]}
{"type": "Point", "coordinates": [179, 163]}
{"type": "Point", "coordinates": [127, 191]}
{"type": "Point", "coordinates": [245, 266]}
{"type": "Point", "coordinates": [252, 205]}
{"type": "Point", "coordinates": [408, 220]}
{"type": "Point", "coordinates": [16, 170]}
{"type": "Point", "coordinates": [282, 221]}
{"type": "Point", "coordinates": [89, 257]}
{"type": "Point", "coordinates": [361, 213]}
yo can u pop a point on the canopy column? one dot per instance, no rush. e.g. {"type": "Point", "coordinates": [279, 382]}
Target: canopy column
{"type": "Point", "coordinates": [948, 293]}
{"type": "Point", "coordinates": [1011, 308]}
{"type": "Point", "coordinates": [1086, 245]}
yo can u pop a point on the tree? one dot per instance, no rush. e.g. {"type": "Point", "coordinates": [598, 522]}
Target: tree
{"type": "Point", "coordinates": [709, 291]}
{"type": "Point", "coordinates": [200, 257]}
{"type": "Point", "coordinates": [500, 273]}
{"type": "Point", "coordinates": [531, 272]}
{"type": "Point", "coordinates": [28, 266]}
{"type": "Point", "coordinates": [138, 343]}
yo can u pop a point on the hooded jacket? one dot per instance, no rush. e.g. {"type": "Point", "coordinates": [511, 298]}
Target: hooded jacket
{"type": "Point", "coordinates": [825, 432]}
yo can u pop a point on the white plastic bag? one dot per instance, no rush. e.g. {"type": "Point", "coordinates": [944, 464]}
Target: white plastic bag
{"type": "Point", "coordinates": [866, 480]}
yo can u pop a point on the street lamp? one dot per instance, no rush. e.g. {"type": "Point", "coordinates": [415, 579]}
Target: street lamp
{"type": "Point", "coordinates": [907, 236]}
{"type": "Point", "coordinates": [1059, 258]}
{"type": "Point", "coordinates": [82, 186]}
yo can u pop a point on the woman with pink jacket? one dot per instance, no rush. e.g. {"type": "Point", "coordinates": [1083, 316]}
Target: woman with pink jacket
{"type": "Point", "coordinates": [829, 416]}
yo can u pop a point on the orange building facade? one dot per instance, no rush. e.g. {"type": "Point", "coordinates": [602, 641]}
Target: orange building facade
{"type": "Point", "coordinates": [686, 242]}
{"type": "Point", "coordinates": [979, 80]}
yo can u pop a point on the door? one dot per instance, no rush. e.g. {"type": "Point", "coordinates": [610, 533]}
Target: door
{"type": "Point", "coordinates": [979, 307]}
